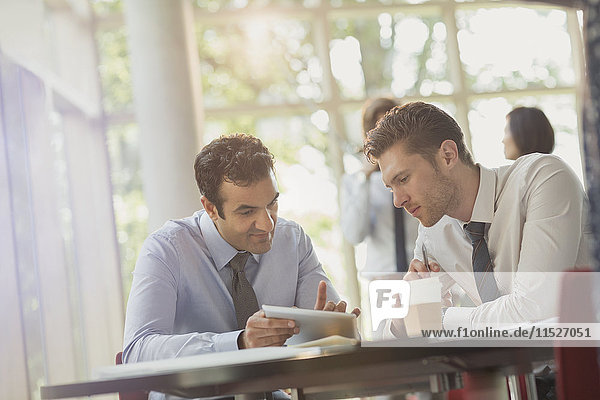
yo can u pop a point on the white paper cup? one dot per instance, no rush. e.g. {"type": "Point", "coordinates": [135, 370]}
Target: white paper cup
{"type": "Point", "coordinates": [425, 306]}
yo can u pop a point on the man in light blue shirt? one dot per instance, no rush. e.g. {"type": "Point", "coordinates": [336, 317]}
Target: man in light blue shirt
{"type": "Point", "coordinates": [181, 301]}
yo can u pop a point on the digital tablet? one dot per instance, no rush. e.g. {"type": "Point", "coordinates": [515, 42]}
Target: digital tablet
{"type": "Point", "coordinates": [314, 324]}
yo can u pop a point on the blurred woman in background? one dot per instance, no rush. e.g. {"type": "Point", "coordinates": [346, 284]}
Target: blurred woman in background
{"type": "Point", "coordinates": [527, 131]}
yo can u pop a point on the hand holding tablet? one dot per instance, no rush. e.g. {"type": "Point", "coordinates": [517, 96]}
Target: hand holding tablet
{"type": "Point", "coordinates": [327, 319]}
{"type": "Point", "coordinates": [275, 326]}
{"type": "Point", "coordinates": [314, 324]}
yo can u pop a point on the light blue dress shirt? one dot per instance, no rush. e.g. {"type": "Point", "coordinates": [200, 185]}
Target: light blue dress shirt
{"type": "Point", "coordinates": [180, 302]}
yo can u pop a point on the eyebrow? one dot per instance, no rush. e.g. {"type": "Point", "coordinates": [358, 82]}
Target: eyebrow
{"type": "Point", "coordinates": [244, 207]}
{"type": "Point", "coordinates": [399, 174]}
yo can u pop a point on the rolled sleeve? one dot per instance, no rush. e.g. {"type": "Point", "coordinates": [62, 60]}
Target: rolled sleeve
{"type": "Point", "coordinates": [456, 317]}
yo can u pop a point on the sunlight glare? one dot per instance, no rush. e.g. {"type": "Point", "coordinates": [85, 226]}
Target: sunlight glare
{"type": "Point", "coordinates": [346, 65]}
{"type": "Point", "coordinates": [528, 38]}
{"type": "Point", "coordinates": [320, 119]}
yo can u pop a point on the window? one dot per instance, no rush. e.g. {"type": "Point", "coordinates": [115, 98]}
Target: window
{"type": "Point", "coordinates": [296, 74]}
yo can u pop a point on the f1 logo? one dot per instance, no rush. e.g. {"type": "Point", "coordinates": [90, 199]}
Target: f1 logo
{"type": "Point", "coordinates": [389, 299]}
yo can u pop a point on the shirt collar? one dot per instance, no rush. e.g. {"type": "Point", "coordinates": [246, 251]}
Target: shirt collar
{"type": "Point", "coordinates": [483, 210]}
{"type": "Point", "coordinates": [220, 251]}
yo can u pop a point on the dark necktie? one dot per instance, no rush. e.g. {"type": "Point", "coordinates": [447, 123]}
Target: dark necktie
{"type": "Point", "coordinates": [244, 298]}
{"type": "Point", "coordinates": [483, 267]}
{"type": "Point", "coordinates": [401, 261]}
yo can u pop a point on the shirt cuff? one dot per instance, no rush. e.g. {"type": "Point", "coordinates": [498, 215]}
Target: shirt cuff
{"type": "Point", "coordinates": [227, 341]}
{"type": "Point", "coordinates": [456, 317]}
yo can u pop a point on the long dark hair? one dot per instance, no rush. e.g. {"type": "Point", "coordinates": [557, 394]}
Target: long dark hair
{"type": "Point", "coordinates": [531, 130]}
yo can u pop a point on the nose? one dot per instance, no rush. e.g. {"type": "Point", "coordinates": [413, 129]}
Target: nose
{"type": "Point", "coordinates": [400, 198]}
{"type": "Point", "coordinates": [265, 221]}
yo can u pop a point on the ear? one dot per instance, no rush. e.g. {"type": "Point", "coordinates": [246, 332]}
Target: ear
{"type": "Point", "coordinates": [449, 153]}
{"type": "Point", "coordinates": [210, 208]}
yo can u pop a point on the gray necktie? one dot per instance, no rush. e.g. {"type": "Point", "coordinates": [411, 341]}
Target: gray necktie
{"type": "Point", "coordinates": [244, 298]}
{"type": "Point", "coordinates": [483, 267]}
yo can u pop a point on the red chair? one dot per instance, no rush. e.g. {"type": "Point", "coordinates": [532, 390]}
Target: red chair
{"type": "Point", "coordinates": [139, 395]}
{"type": "Point", "coordinates": [578, 374]}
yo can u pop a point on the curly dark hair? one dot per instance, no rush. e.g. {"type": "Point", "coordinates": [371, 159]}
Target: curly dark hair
{"type": "Point", "coordinates": [240, 158]}
{"type": "Point", "coordinates": [422, 127]}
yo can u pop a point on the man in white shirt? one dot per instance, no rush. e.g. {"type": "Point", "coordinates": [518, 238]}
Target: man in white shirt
{"type": "Point", "coordinates": [531, 213]}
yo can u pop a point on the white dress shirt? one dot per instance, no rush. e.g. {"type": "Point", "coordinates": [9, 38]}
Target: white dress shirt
{"type": "Point", "coordinates": [535, 213]}
{"type": "Point", "coordinates": [368, 214]}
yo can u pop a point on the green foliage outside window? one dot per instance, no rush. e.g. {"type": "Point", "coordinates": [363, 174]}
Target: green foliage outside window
{"type": "Point", "coordinates": [262, 75]}
{"type": "Point", "coordinates": [400, 54]}
{"type": "Point", "coordinates": [258, 62]}
{"type": "Point", "coordinates": [115, 70]}
{"type": "Point", "coordinates": [131, 214]}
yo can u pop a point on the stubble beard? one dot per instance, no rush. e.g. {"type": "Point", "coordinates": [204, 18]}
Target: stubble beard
{"type": "Point", "coordinates": [443, 196]}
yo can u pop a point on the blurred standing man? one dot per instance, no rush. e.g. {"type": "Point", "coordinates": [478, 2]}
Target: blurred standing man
{"type": "Point", "coordinates": [199, 281]}
{"type": "Point", "coordinates": [368, 212]}
{"type": "Point", "coordinates": [506, 227]}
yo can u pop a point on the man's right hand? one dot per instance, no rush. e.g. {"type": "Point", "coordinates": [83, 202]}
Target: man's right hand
{"type": "Point", "coordinates": [323, 305]}
{"type": "Point", "coordinates": [418, 270]}
{"type": "Point", "coordinates": [262, 331]}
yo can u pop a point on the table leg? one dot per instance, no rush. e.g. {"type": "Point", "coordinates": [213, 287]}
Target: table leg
{"type": "Point", "coordinates": [530, 387]}
{"type": "Point", "coordinates": [440, 383]}
{"type": "Point", "coordinates": [255, 396]}
{"type": "Point", "coordinates": [489, 385]}
{"type": "Point", "coordinates": [297, 394]}
{"type": "Point", "coordinates": [514, 388]}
